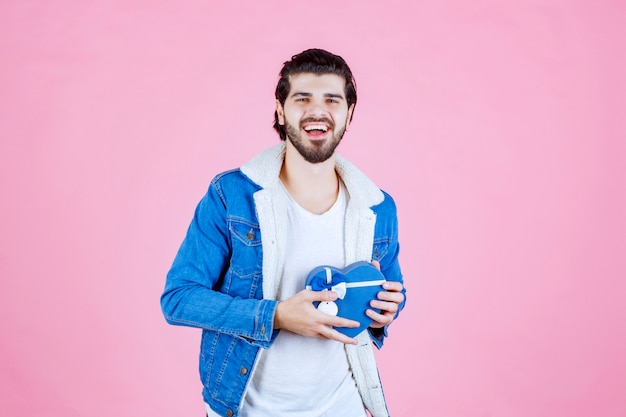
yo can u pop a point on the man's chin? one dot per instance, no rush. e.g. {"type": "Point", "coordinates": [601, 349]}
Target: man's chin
{"type": "Point", "coordinates": [315, 156]}
{"type": "Point", "coordinates": [314, 150]}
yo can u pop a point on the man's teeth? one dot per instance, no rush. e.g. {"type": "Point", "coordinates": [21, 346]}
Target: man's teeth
{"type": "Point", "coordinates": [323, 128]}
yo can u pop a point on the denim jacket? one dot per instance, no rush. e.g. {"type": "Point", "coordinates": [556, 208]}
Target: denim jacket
{"type": "Point", "coordinates": [226, 274]}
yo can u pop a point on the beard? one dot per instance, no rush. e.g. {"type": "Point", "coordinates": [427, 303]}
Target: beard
{"type": "Point", "coordinates": [314, 151]}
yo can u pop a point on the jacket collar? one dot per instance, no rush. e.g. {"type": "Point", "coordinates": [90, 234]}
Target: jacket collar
{"type": "Point", "coordinates": [264, 170]}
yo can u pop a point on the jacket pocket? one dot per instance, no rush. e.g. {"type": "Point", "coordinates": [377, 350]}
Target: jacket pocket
{"type": "Point", "coordinates": [380, 248]}
{"type": "Point", "coordinates": [246, 260]}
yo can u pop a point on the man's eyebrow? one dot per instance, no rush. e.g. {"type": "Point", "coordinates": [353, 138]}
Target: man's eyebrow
{"type": "Point", "coordinates": [328, 95]}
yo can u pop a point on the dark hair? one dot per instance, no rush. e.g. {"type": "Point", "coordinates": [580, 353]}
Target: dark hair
{"type": "Point", "coordinates": [315, 61]}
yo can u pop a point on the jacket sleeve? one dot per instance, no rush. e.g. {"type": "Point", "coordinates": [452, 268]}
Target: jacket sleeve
{"type": "Point", "coordinates": [190, 297]}
{"type": "Point", "coordinates": [389, 263]}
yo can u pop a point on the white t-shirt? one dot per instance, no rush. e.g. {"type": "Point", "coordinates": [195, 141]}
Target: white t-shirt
{"type": "Point", "coordinates": [305, 376]}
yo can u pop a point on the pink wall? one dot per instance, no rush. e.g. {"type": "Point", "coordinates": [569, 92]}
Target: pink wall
{"type": "Point", "coordinates": [497, 125]}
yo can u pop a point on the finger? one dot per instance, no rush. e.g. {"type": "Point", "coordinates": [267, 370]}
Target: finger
{"type": "Point", "coordinates": [376, 264]}
{"type": "Point", "coordinates": [384, 306]}
{"type": "Point", "coordinates": [342, 322]}
{"type": "Point", "coordinates": [393, 286]}
{"type": "Point", "coordinates": [394, 297]}
{"type": "Point", "coordinates": [335, 321]}
{"type": "Point", "coordinates": [381, 319]}
{"type": "Point", "coordinates": [332, 334]}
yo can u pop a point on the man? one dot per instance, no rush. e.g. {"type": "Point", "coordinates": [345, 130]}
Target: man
{"type": "Point", "coordinates": [240, 271]}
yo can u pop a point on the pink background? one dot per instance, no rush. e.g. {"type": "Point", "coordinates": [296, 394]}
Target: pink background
{"type": "Point", "coordinates": [499, 127]}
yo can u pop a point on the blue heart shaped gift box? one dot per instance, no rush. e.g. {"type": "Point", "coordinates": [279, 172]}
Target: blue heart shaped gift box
{"type": "Point", "coordinates": [357, 285]}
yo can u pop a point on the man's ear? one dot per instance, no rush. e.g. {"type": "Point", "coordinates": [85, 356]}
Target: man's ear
{"type": "Point", "coordinates": [280, 112]}
{"type": "Point", "coordinates": [349, 119]}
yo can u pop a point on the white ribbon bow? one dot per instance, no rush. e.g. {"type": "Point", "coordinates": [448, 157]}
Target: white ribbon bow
{"type": "Point", "coordinates": [339, 288]}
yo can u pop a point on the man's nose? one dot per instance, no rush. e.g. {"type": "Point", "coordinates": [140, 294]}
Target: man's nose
{"type": "Point", "coordinates": [317, 109]}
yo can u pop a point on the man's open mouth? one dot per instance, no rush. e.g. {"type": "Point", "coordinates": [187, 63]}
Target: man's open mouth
{"type": "Point", "coordinates": [314, 128]}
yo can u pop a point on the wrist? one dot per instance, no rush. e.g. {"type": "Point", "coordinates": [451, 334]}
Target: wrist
{"type": "Point", "coordinates": [278, 315]}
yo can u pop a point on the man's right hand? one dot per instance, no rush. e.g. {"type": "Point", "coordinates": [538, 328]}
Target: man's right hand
{"type": "Point", "coordinates": [298, 315]}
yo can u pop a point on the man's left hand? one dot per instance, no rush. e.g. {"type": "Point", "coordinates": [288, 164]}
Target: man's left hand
{"type": "Point", "coordinates": [388, 303]}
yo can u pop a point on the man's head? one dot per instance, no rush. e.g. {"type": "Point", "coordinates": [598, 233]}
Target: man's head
{"type": "Point", "coordinates": [318, 62]}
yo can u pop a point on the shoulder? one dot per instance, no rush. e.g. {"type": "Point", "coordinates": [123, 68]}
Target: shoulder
{"type": "Point", "coordinates": [232, 181]}
{"type": "Point", "coordinates": [231, 177]}
{"type": "Point", "coordinates": [386, 219]}
{"type": "Point", "coordinates": [387, 206]}
{"type": "Point", "coordinates": [234, 178]}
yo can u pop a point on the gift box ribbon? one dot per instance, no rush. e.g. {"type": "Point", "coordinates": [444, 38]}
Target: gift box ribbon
{"type": "Point", "coordinates": [335, 283]}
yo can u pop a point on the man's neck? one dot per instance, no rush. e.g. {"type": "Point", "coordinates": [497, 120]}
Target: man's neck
{"type": "Point", "coordinates": [314, 186]}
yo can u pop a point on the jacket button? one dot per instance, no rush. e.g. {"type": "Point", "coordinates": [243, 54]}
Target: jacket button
{"type": "Point", "coordinates": [250, 235]}
{"type": "Point", "coordinates": [243, 371]}
{"type": "Point", "coordinates": [229, 413]}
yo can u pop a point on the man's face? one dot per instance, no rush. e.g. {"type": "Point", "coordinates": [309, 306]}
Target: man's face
{"type": "Point", "coordinates": [315, 114]}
